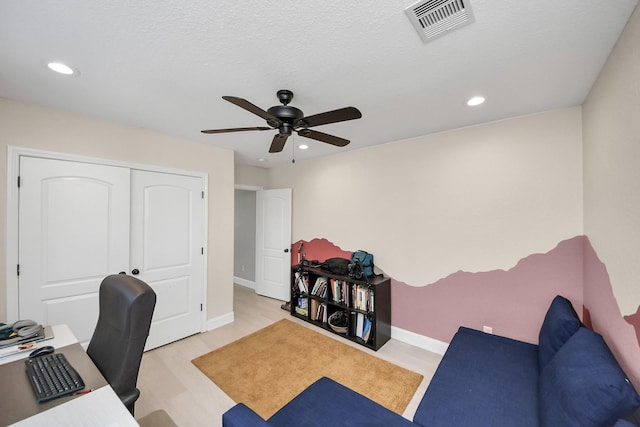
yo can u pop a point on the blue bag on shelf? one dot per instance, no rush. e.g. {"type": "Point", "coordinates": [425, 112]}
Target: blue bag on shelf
{"type": "Point", "coordinates": [365, 259]}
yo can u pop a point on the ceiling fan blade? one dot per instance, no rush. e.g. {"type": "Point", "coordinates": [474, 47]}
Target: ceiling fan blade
{"type": "Point", "coordinates": [324, 137]}
{"type": "Point", "coordinates": [243, 103]}
{"type": "Point", "coordinates": [340, 115]}
{"type": "Point", "coordinates": [278, 143]}
{"type": "Point", "coordinates": [235, 129]}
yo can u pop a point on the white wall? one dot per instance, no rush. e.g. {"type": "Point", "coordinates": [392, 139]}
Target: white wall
{"type": "Point", "coordinates": [31, 126]}
{"type": "Point", "coordinates": [251, 176]}
{"type": "Point", "coordinates": [474, 199]}
{"type": "Point", "coordinates": [612, 200]}
{"type": "Point", "coordinates": [612, 160]}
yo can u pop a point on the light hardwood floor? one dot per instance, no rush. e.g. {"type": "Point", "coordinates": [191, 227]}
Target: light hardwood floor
{"type": "Point", "coordinates": [168, 380]}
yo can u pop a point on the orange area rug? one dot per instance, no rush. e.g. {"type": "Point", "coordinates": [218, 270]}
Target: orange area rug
{"type": "Point", "coordinates": [268, 368]}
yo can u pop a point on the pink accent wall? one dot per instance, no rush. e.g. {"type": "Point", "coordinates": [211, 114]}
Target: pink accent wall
{"type": "Point", "coordinates": [317, 249]}
{"type": "Point", "coordinates": [512, 302]}
{"type": "Point", "coordinates": [621, 333]}
{"type": "Point", "coordinates": [634, 320]}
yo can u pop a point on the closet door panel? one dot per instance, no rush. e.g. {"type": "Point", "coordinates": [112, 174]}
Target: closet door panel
{"type": "Point", "coordinates": [167, 249]}
{"type": "Point", "coordinates": [73, 231]}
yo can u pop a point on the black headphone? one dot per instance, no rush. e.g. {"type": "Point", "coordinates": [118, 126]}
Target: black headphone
{"type": "Point", "coordinates": [23, 328]}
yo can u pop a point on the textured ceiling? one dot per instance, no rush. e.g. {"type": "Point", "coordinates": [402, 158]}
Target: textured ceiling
{"type": "Point", "coordinates": [164, 65]}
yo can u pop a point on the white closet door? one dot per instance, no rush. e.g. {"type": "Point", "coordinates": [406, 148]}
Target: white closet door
{"type": "Point", "coordinates": [73, 231]}
{"type": "Point", "coordinates": [167, 244]}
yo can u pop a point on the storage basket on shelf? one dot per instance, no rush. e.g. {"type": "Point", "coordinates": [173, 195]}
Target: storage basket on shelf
{"type": "Point", "coordinates": [338, 321]}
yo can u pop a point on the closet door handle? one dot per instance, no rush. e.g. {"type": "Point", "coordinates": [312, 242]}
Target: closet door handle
{"type": "Point", "coordinates": [135, 271]}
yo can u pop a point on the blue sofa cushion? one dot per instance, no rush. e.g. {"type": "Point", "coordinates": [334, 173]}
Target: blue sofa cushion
{"type": "Point", "coordinates": [560, 323]}
{"type": "Point", "coordinates": [242, 416]}
{"type": "Point", "coordinates": [482, 380]}
{"type": "Point", "coordinates": [327, 403]}
{"type": "Point", "coordinates": [584, 385]}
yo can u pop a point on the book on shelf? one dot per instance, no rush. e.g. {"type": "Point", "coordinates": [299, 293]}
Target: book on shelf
{"type": "Point", "coordinates": [353, 321]}
{"type": "Point", "coordinates": [320, 287]}
{"type": "Point", "coordinates": [335, 283]}
{"type": "Point", "coordinates": [314, 309]}
{"type": "Point", "coordinates": [339, 291]}
{"type": "Point", "coordinates": [315, 287]}
{"type": "Point", "coordinates": [321, 314]}
{"type": "Point", "coordinates": [366, 329]}
{"type": "Point", "coordinates": [362, 298]}
{"type": "Point", "coordinates": [360, 326]}
{"type": "Point", "coordinates": [345, 293]}
{"type": "Point", "coordinates": [302, 281]}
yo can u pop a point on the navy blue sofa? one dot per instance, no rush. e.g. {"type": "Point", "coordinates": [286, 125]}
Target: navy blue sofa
{"type": "Point", "coordinates": [569, 379]}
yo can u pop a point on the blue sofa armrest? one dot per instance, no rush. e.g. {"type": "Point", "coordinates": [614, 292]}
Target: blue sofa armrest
{"type": "Point", "coordinates": [242, 416]}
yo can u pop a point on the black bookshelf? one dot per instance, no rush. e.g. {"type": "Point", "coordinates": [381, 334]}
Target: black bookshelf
{"type": "Point", "coordinates": [366, 304]}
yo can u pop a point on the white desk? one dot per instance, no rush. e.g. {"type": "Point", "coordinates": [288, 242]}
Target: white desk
{"type": "Point", "coordinates": [99, 408]}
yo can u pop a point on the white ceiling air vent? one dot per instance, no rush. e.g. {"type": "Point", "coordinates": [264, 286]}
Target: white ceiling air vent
{"type": "Point", "coordinates": [433, 18]}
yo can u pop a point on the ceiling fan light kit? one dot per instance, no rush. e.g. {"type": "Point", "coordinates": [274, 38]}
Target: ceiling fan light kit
{"type": "Point", "coordinates": [287, 119]}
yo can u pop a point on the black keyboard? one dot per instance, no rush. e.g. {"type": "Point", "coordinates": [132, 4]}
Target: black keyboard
{"type": "Point", "coordinates": [52, 376]}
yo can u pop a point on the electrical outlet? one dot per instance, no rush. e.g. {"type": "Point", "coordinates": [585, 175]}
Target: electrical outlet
{"type": "Point", "coordinates": [487, 329]}
{"type": "Point", "coordinates": [243, 268]}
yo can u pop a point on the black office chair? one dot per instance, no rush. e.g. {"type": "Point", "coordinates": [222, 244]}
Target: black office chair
{"type": "Point", "coordinates": [117, 344]}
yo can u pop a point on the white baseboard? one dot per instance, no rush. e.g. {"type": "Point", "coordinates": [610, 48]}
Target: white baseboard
{"type": "Point", "coordinates": [219, 321]}
{"type": "Point", "coordinates": [417, 340]}
{"type": "Point", "coordinates": [244, 282]}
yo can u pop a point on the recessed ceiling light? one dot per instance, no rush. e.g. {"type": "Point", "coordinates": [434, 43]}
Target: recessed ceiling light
{"type": "Point", "coordinates": [262, 160]}
{"type": "Point", "coordinates": [476, 100]}
{"type": "Point", "coordinates": [303, 146]}
{"type": "Point", "coordinates": [61, 68]}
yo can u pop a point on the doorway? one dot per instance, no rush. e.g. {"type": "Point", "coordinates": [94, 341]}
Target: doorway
{"type": "Point", "coordinates": [262, 239]}
{"type": "Point", "coordinates": [244, 236]}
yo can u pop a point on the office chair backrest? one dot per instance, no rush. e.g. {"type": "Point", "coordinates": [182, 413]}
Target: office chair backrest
{"type": "Point", "coordinates": [117, 344]}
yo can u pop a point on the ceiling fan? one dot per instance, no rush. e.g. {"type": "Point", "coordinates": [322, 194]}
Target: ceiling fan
{"type": "Point", "coordinates": [286, 119]}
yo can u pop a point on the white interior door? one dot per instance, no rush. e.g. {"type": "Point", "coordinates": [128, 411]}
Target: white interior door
{"type": "Point", "coordinates": [273, 243]}
{"type": "Point", "coordinates": [73, 231]}
{"type": "Point", "coordinates": [167, 250]}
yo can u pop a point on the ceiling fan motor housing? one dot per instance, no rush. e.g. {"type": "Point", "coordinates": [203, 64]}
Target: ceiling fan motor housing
{"type": "Point", "coordinates": [287, 116]}
{"type": "Point", "coordinates": [286, 113]}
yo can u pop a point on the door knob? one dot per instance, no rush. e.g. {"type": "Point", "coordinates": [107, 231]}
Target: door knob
{"type": "Point", "coordinates": [286, 250]}
{"type": "Point", "coordinates": [135, 271]}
